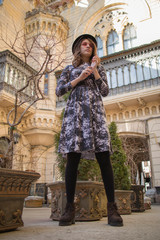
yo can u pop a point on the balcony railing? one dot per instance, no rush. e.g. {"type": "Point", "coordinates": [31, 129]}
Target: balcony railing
{"type": "Point", "coordinates": [134, 69]}
{"type": "Point", "coordinates": [14, 74]}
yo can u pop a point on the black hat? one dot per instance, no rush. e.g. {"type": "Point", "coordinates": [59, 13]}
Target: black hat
{"type": "Point", "coordinates": [83, 36]}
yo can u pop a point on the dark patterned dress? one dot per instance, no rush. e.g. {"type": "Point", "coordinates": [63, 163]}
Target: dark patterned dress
{"type": "Point", "coordinates": [84, 128]}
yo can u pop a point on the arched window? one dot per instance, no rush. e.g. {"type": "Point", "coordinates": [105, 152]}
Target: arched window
{"type": "Point", "coordinates": [46, 84]}
{"type": "Point", "coordinates": [129, 36]}
{"type": "Point", "coordinates": [99, 46]}
{"type": "Point", "coordinates": [112, 42]}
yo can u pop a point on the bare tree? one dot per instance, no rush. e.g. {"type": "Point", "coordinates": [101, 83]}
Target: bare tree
{"type": "Point", "coordinates": [45, 53]}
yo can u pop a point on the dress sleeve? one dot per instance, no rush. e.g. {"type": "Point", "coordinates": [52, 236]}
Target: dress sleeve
{"type": "Point", "coordinates": [102, 82]}
{"type": "Point", "coordinates": [64, 84]}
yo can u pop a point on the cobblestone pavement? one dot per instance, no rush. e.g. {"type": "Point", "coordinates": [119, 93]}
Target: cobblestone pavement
{"type": "Point", "coordinates": [38, 226]}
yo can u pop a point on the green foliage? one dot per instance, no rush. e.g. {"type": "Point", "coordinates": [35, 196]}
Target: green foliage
{"type": "Point", "coordinates": [66, 96]}
{"type": "Point", "coordinates": [118, 158]}
{"type": "Point", "coordinates": [89, 170]}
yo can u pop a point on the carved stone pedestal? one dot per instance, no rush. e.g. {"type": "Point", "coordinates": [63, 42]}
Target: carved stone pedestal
{"type": "Point", "coordinates": [14, 188]}
{"type": "Point", "coordinates": [90, 200]}
{"type": "Point", "coordinates": [137, 198]}
{"type": "Point", "coordinates": [123, 200]}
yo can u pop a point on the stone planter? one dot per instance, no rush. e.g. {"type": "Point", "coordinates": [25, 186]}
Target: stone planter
{"type": "Point", "coordinates": [123, 200]}
{"type": "Point", "coordinates": [90, 200]}
{"type": "Point", "coordinates": [14, 188]}
{"type": "Point", "coordinates": [34, 202]}
{"type": "Point", "coordinates": [137, 198]}
{"type": "Point", "coordinates": [147, 203]}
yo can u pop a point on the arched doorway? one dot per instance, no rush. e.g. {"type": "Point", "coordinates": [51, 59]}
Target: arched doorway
{"type": "Point", "coordinates": [137, 151]}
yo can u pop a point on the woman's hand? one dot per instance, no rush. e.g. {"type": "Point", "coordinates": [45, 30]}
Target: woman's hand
{"type": "Point", "coordinates": [85, 73]}
{"type": "Point", "coordinates": [95, 62]}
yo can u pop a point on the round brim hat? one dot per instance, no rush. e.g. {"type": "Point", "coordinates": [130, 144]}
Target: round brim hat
{"type": "Point", "coordinates": [83, 36]}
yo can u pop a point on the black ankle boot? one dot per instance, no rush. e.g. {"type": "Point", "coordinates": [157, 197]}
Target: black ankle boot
{"type": "Point", "coordinates": [114, 218]}
{"type": "Point", "coordinates": [68, 217]}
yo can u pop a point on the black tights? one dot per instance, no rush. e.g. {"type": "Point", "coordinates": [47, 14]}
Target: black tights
{"type": "Point", "coordinates": [103, 159]}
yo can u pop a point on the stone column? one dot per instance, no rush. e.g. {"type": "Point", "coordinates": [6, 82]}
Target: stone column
{"type": "Point", "coordinates": [154, 138]}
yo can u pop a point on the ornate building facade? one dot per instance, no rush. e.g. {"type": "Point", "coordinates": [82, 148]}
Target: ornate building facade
{"type": "Point", "coordinates": [129, 46]}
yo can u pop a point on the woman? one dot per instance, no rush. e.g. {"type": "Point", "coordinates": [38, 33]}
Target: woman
{"type": "Point", "coordinates": [84, 131]}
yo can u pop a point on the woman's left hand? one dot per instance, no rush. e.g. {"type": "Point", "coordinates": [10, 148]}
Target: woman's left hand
{"type": "Point", "coordinates": [95, 62]}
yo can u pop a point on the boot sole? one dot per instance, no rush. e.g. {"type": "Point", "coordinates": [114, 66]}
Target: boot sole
{"type": "Point", "coordinates": [66, 223]}
{"type": "Point", "coordinates": [116, 224]}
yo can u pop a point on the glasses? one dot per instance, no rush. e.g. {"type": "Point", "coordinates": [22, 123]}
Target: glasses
{"type": "Point", "coordinates": [86, 43]}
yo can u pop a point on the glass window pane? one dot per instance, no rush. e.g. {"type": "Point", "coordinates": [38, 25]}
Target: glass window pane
{"type": "Point", "coordinates": [116, 48]}
{"type": "Point", "coordinates": [114, 79]}
{"type": "Point", "coordinates": [120, 77]}
{"type": "Point", "coordinates": [46, 84]}
{"type": "Point", "coordinates": [133, 32]}
{"type": "Point", "coordinates": [110, 50]}
{"type": "Point", "coordinates": [139, 72]}
{"type": "Point", "coordinates": [154, 72]}
{"type": "Point", "coordinates": [112, 42]}
{"type": "Point", "coordinates": [109, 79]}
{"type": "Point", "coordinates": [46, 88]}
{"type": "Point", "coordinates": [127, 44]}
{"type": "Point", "coordinates": [133, 74]}
{"type": "Point", "coordinates": [99, 46]}
{"type": "Point", "coordinates": [129, 37]}
{"type": "Point", "coordinates": [100, 52]}
{"type": "Point", "coordinates": [146, 71]}
{"type": "Point", "coordinates": [115, 37]}
{"type": "Point", "coordinates": [110, 39]}
{"type": "Point", "coordinates": [126, 76]}
{"type": "Point", "coordinates": [126, 35]}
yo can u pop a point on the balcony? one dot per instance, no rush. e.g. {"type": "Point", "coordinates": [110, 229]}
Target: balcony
{"type": "Point", "coordinates": [132, 75]}
{"type": "Point", "coordinates": [13, 75]}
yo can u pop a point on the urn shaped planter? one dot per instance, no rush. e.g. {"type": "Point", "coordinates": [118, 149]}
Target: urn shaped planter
{"type": "Point", "coordinates": [123, 200]}
{"type": "Point", "coordinates": [137, 198]}
{"type": "Point", "coordinates": [14, 188]}
{"type": "Point", "coordinates": [90, 200]}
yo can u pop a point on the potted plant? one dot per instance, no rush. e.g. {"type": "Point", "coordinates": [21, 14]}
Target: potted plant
{"type": "Point", "coordinates": [121, 172]}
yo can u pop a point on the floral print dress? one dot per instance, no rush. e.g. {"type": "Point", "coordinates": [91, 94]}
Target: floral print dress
{"type": "Point", "coordinates": [84, 128]}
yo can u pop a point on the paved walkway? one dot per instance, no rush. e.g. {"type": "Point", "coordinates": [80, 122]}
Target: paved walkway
{"type": "Point", "coordinates": [38, 226]}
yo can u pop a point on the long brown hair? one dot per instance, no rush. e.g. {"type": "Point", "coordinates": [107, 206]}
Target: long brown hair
{"type": "Point", "coordinates": [77, 58]}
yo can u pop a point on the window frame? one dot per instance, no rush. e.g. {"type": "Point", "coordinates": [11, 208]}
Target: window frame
{"type": "Point", "coordinates": [113, 45]}
{"type": "Point", "coordinates": [130, 40]}
{"type": "Point", "coordinates": [46, 82]}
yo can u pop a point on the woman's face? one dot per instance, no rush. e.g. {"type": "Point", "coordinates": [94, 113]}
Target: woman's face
{"type": "Point", "coordinates": [86, 48]}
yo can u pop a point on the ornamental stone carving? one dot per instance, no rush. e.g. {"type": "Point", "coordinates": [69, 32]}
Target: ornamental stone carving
{"type": "Point", "coordinates": [90, 200]}
{"type": "Point", "coordinates": [14, 188]}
